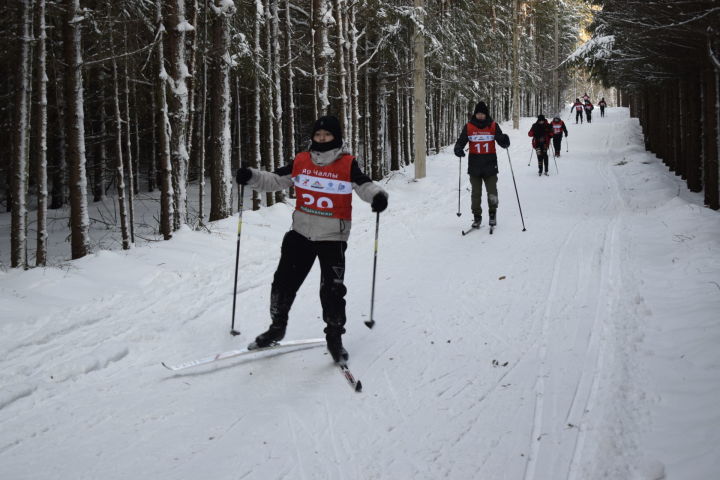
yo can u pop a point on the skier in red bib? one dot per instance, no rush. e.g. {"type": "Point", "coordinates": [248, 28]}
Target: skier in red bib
{"type": "Point", "coordinates": [482, 133]}
{"type": "Point", "coordinates": [602, 104]}
{"type": "Point", "coordinates": [558, 127]}
{"type": "Point", "coordinates": [324, 178]}
{"type": "Point", "coordinates": [578, 107]}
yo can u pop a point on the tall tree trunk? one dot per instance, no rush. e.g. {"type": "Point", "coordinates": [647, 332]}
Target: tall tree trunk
{"type": "Point", "coordinates": [75, 128]}
{"type": "Point", "coordinates": [119, 163]}
{"type": "Point", "coordinates": [220, 198]}
{"type": "Point", "coordinates": [257, 146]}
{"type": "Point", "coordinates": [354, 82]}
{"type": "Point", "coordinates": [128, 147]}
{"type": "Point", "coordinates": [277, 94]}
{"type": "Point", "coordinates": [342, 72]}
{"type": "Point", "coordinates": [178, 106]}
{"type": "Point", "coordinates": [290, 80]}
{"type": "Point", "coordinates": [18, 235]}
{"type": "Point", "coordinates": [325, 14]}
{"type": "Point", "coordinates": [516, 66]}
{"type": "Point", "coordinates": [419, 93]}
{"type": "Point", "coordinates": [269, 138]}
{"type": "Point", "coordinates": [58, 195]}
{"type": "Point", "coordinates": [41, 138]}
{"type": "Point", "coordinates": [164, 163]}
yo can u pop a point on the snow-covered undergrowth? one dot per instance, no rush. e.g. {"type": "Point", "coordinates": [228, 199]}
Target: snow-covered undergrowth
{"type": "Point", "coordinates": [583, 348]}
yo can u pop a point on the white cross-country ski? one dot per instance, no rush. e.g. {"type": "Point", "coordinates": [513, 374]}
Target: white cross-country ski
{"type": "Point", "coordinates": [470, 230]}
{"type": "Point", "coordinates": [309, 343]}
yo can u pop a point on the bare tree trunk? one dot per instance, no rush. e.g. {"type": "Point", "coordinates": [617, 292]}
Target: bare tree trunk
{"type": "Point", "coordinates": [354, 83]}
{"type": "Point", "coordinates": [221, 178]}
{"type": "Point", "coordinates": [516, 66]}
{"type": "Point", "coordinates": [165, 163]}
{"type": "Point", "coordinates": [178, 106]}
{"type": "Point", "coordinates": [315, 13]}
{"type": "Point", "coordinates": [41, 138]}
{"type": "Point", "coordinates": [419, 96]}
{"type": "Point", "coordinates": [119, 163]}
{"type": "Point", "coordinates": [128, 147]}
{"type": "Point", "coordinates": [257, 150]}
{"type": "Point", "coordinates": [325, 53]}
{"type": "Point", "coordinates": [270, 159]}
{"type": "Point", "coordinates": [277, 93]}
{"type": "Point", "coordinates": [342, 72]}
{"type": "Point", "coordinates": [75, 128]}
{"type": "Point", "coordinates": [18, 235]}
{"type": "Point", "coordinates": [291, 80]}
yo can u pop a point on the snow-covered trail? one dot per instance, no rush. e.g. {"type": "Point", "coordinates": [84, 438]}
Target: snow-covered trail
{"type": "Point", "coordinates": [545, 354]}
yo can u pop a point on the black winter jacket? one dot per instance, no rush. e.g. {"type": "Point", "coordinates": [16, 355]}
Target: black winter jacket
{"type": "Point", "coordinates": [481, 164]}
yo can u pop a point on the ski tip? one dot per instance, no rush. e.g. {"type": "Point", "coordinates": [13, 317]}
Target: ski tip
{"type": "Point", "coordinates": [166, 366]}
{"type": "Point", "coordinates": [358, 386]}
{"type": "Point", "coordinates": [370, 324]}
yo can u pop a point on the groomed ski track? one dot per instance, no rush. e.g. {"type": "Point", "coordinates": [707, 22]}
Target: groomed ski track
{"type": "Point", "coordinates": [519, 355]}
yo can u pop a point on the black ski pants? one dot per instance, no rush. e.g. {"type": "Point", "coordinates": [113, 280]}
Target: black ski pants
{"type": "Point", "coordinates": [588, 116]}
{"type": "Point", "coordinates": [542, 155]}
{"type": "Point", "coordinates": [602, 111]}
{"type": "Point", "coordinates": [578, 114]}
{"type": "Point", "coordinates": [297, 256]}
{"type": "Point", "coordinates": [557, 142]}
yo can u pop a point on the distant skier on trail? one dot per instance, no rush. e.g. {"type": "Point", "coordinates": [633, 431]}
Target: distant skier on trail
{"type": "Point", "coordinates": [324, 178]}
{"type": "Point", "coordinates": [558, 127]}
{"type": "Point", "coordinates": [588, 110]}
{"type": "Point", "coordinates": [482, 132]}
{"type": "Point", "coordinates": [578, 107]}
{"type": "Point", "coordinates": [602, 104]}
{"type": "Point", "coordinates": [541, 133]}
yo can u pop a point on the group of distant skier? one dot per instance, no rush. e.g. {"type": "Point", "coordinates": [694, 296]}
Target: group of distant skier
{"type": "Point", "coordinates": [324, 178]}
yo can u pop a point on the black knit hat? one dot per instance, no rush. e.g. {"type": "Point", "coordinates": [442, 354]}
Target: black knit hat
{"type": "Point", "coordinates": [481, 108]}
{"type": "Point", "coordinates": [541, 117]}
{"type": "Point", "coordinates": [331, 124]}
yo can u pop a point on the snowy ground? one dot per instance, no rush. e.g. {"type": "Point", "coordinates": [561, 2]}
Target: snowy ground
{"type": "Point", "coordinates": [583, 348]}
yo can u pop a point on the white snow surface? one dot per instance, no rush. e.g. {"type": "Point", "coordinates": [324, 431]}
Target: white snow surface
{"type": "Point", "coordinates": [583, 348]}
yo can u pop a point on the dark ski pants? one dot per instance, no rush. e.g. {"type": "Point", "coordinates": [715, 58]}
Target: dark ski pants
{"type": "Point", "coordinates": [476, 195]}
{"type": "Point", "coordinates": [578, 114]}
{"type": "Point", "coordinates": [543, 158]}
{"type": "Point", "coordinates": [557, 143]}
{"type": "Point", "coordinates": [297, 257]}
{"type": "Point", "coordinates": [588, 116]}
{"type": "Point", "coordinates": [602, 111]}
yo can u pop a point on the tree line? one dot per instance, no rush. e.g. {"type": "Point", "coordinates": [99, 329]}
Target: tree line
{"type": "Point", "coordinates": [664, 59]}
{"type": "Point", "coordinates": [113, 98]}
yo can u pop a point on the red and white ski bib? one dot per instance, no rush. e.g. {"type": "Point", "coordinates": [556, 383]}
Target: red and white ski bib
{"type": "Point", "coordinates": [324, 191]}
{"type": "Point", "coordinates": [557, 127]}
{"type": "Point", "coordinates": [482, 140]}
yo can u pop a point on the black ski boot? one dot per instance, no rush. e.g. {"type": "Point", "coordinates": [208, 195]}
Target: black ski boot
{"type": "Point", "coordinates": [493, 219]}
{"type": "Point", "coordinates": [335, 347]}
{"type": "Point", "coordinates": [477, 220]}
{"type": "Point", "coordinates": [274, 334]}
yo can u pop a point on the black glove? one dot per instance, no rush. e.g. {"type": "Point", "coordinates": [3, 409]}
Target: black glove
{"type": "Point", "coordinates": [379, 202]}
{"type": "Point", "coordinates": [243, 175]}
{"type": "Point", "coordinates": [503, 140]}
{"type": "Point", "coordinates": [459, 152]}
{"type": "Point", "coordinates": [565, 134]}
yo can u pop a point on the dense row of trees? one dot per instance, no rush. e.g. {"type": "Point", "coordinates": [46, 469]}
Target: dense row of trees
{"type": "Point", "coordinates": [115, 98]}
{"type": "Point", "coordinates": [664, 58]}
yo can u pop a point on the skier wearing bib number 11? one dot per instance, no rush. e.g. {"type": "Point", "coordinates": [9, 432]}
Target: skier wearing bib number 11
{"type": "Point", "coordinates": [482, 133]}
{"type": "Point", "coordinates": [324, 178]}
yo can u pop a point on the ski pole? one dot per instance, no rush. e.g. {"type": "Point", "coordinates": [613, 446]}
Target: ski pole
{"type": "Point", "coordinates": [371, 323]}
{"type": "Point", "coordinates": [459, 175]}
{"type": "Point", "coordinates": [237, 259]}
{"type": "Point", "coordinates": [531, 152]}
{"type": "Point", "coordinates": [555, 160]}
{"type": "Point", "coordinates": [567, 145]}
{"type": "Point", "coordinates": [516, 190]}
